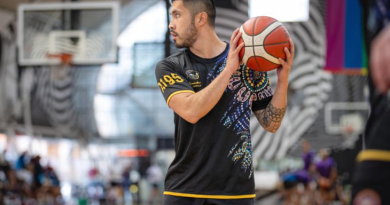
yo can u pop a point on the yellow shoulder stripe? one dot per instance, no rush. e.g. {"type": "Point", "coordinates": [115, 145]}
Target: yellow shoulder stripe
{"type": "Point", "coordinates": [374, 155]}
{"type": "Point", "coordinates": [177, 92]}
{"type": "Point", "coordinates": [249, 196]}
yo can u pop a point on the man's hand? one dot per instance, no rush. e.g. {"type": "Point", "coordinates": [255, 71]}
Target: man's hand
{"type": "Point", "coordinates": [233, 61]}
{"type": "Point", "coordinates": [380, 61]}
{"type": "Point", "coordinates": [284, 71]}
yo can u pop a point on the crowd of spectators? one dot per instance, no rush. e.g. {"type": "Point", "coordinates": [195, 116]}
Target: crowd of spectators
{"type": "Point", "coordinates": [316, 183]}
{"type": "Point", "coordinates": [28, 182]}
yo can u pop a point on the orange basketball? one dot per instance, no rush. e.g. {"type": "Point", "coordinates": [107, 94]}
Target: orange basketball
{"type": "Point", "coordinates": [265, 39]}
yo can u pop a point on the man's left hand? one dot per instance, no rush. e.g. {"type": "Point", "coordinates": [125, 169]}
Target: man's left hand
{"type": "Point", "coordinates": [284, 71]}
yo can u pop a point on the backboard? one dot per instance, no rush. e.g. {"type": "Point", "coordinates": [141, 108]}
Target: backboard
{"type": "Point", "coordinates": [346, 117]}
{"type": "Point", "coordinates": [85, 30]}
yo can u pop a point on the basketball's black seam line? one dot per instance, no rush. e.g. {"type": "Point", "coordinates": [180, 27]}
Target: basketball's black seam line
{"type": "Point", "coordinates": [253, 36]}
{"type": "Point", "coordinates": [269, 53]}
{"type": "Point", "coordinates": [243, 28]}
{"type": "Point", "coordinates": [265, 37]}
{"type": "Point", "coordinates": [272, 44]}
{"type": "Point", "coordinates": [253, 32]}
{"type": "Point", "coordinates": [265, 29]}
{"type": "Point", "coordinates": [265, 58]}
{"type": "Point", "coordinates": [253, 42]}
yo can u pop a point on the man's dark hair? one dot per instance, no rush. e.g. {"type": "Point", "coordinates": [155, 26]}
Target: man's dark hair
{"type": "Point", "coordinates": [198, 6]}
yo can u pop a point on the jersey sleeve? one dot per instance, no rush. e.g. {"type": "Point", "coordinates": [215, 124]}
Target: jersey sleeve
{"type": "Point", "coordinates": [263, 91]}
{"type": "Point", "coordinates": [170, 81]}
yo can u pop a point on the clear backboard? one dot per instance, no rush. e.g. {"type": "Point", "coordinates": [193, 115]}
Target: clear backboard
{"type": "Point", "coordinates": [85, 30]}
{"type": "Point", "coordinates": [347, 118]}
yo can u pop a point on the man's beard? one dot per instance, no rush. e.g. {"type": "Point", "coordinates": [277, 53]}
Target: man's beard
{"type": "Point", "coordinates": [189, 38]}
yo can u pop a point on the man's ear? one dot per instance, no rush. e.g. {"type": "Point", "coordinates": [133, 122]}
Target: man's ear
{"type": "Point", "coordinates": [201, 18]}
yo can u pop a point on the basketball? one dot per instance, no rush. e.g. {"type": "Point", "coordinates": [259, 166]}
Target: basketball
{"type": "Point", "coordinates": [264, 41]}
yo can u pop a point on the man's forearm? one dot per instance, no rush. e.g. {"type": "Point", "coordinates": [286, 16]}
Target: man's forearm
{"type": "Point", "coordinates": [194, 106]}
{"type": "Point", "coordinates": [200, 103]}
{"type": "Point", "coordinates": [271, 117]}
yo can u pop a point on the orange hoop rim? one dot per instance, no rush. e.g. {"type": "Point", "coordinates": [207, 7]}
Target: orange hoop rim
{"type": "Point", "coordinates": [66, 58]}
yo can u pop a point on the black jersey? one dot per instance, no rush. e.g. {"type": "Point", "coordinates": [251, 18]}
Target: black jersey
{"type": "Point", "coordinates": [376, 16]}
{"type": "Point", "coordinates": [214, 156]}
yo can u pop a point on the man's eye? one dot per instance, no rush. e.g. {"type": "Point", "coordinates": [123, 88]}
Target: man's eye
{"type": "Point", "coordinates": [177, 15]}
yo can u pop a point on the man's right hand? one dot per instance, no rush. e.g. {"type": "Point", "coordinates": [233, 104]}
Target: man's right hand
{"type": "Point", "coordinates": [233, 60]}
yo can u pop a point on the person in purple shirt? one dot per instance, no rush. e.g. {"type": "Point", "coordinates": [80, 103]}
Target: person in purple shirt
{"type": "Point", "coordinates": [300, 177]}
{"type": "Point", "coordinates": [326, 165]}
{"type": "Point", "coordinates": [305, 175]}
{"type": "Point", "coordinates": [327, 175]}
{"type": "Point", "coordinates": [308, 155]}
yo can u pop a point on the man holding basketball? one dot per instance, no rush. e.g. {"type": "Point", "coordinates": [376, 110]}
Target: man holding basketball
{"type": "Point", "coordinates": [212, 96]}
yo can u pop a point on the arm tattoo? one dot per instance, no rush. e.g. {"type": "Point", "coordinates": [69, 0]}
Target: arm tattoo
{"type": "Point", "coordinates": [271, 117]}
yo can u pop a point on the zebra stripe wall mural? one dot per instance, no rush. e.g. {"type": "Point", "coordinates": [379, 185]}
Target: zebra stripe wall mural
{"type": "Point", "coordinates": [309, 87]}
{"type": "Point", "coordinates": [65, 104]}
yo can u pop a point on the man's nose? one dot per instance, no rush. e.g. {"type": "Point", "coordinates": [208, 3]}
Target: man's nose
{"type": "Point", "coordinates": [171, 25]}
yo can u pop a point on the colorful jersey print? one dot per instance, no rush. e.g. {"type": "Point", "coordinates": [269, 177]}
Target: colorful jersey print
{"type": "Point", "coordinates": [247, 86]}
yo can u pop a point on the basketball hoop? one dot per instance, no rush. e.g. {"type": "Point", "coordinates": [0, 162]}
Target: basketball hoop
{"type": "Point", "coordinates": [348, 130]}
{"type": "Point", "coordinates": [60, 71]}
